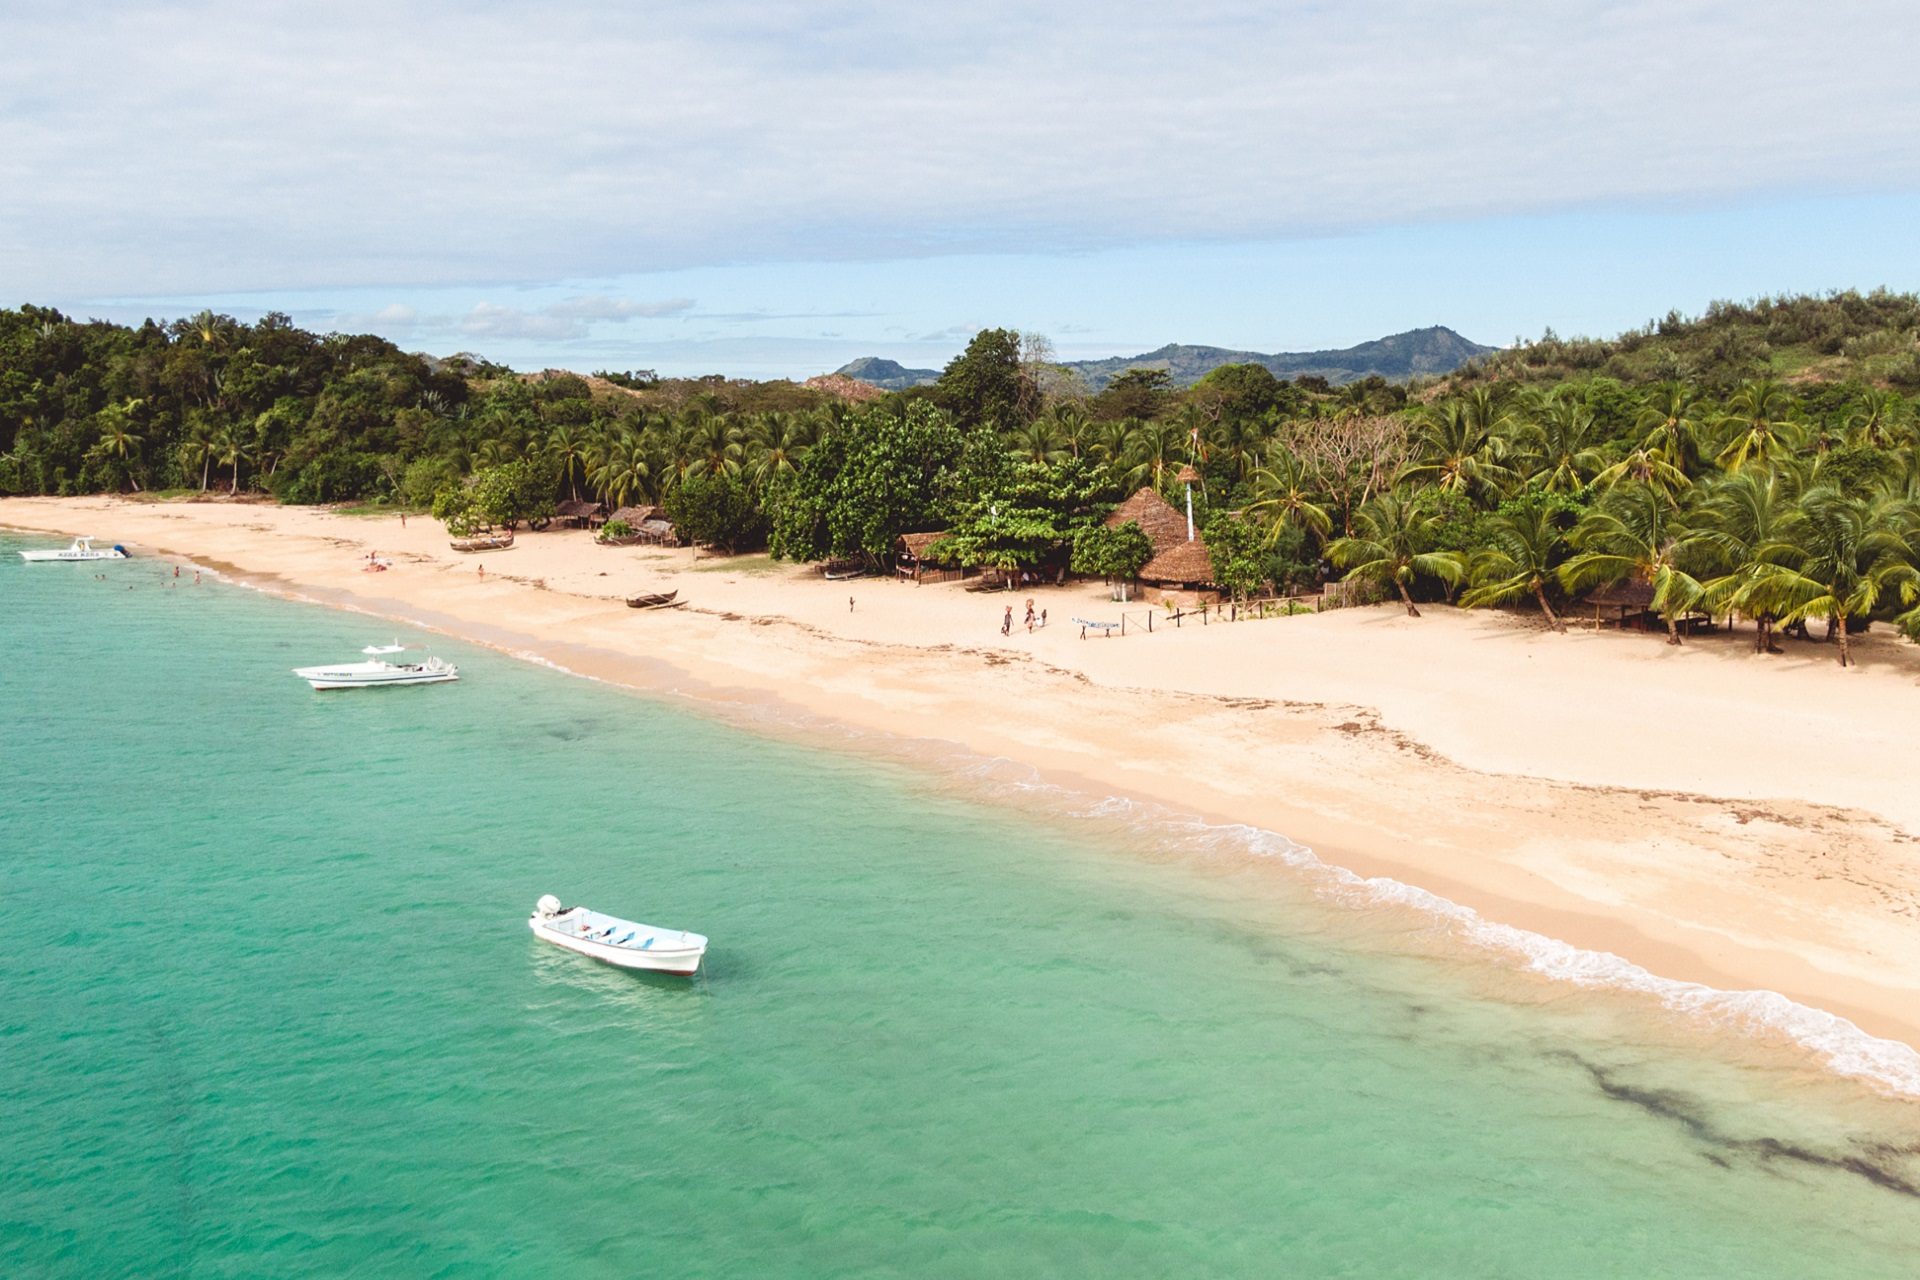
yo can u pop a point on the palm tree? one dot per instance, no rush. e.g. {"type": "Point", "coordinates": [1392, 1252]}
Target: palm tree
{"type": "Point", "coordinates": [1624, 539]}
{"type": "Point", "coordinates": [1758, 425]}
{"type": "Point", "coordinates": [1521, 557]}
{"type": "Point", "coordinates": [1561, 435]}
{"type": "Point", "coordinates": [1842, 557]}
{"type": "Point", "coordinates": [229, 446]}
{"type": "Point", "coordinates": [118, 438]}
{"type": "Point", "coordinates": [1880, 420]}
{"type": "Point", "coordinates": [1745, 517]}
{"type": "Point", "coordinates": [1457, 448]}
{"type": "Point", "coordinates": [711, 445]}
{"type": "Point", "coordinates": [776, 442]}
{"type": "Point", "coordinates": [1153, 449]}
{"type": "Point", "coordinates": [1672, 421]}
{"type": "Point", "coordinates": [197, 446]}
{"type": "Point", "coordinates": [569, 446]}
{"type": "Point", "coordinates": [1283, 495]}
{"type": "Point", "coordinates": [622, 470]}
{"type": "Point", "coordinates": [1037, 442]}
{"type": "Point", "coordinates": [1072, 426]}
{"type": "Point", "coordinates": [1390, 546]}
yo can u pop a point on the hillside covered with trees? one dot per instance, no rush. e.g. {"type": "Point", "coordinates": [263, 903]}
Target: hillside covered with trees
{"type": "Point", "coordinates": [1731, 462]}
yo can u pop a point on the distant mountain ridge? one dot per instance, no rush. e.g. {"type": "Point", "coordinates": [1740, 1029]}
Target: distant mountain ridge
{"type": "Point", "coordinates": [888, 375]}
{"type": "Point", "coordinates": [1398, 357]}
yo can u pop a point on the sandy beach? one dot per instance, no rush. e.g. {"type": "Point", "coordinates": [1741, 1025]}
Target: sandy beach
{"type": "Point", "coordinates": [1711, 815]}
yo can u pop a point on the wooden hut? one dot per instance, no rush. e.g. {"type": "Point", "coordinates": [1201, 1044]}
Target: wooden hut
{"type": "Point", "coordinates": [1630, 604]}
{"type": "Point", "coordinates": [1179, 562]}
{"type": "Point", "coordinates": [579, 513]}
{"type": "Point", "coordinates": [914, 558]}
{"type": "Point", "coordinates": [649, 526]}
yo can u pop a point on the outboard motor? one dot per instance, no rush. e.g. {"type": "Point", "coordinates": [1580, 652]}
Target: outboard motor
{"type": "Point", "coordinates": [122, 550]}
{"type": "Point", "coordinates": [548, 907]}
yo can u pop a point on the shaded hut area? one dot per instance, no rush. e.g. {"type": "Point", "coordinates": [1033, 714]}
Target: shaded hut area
{"type": "Point", "coordinates": [580, 513]}
{"type": "Point", "coordinates": [1628, 606]}
{"type": "Point", "coordinates": [1180, 571]}
{"type": "Point", "coordinates": [915, 559]}
{"type": "Point", "coordinates": [640, 526]}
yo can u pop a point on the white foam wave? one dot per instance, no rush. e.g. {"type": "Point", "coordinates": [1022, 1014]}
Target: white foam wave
{"type": "Point", "coordinates": [1842, 1046]}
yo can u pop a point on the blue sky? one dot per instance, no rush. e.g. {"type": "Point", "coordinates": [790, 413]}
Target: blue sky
{"type": "Point", "coordinates": [740, 189]}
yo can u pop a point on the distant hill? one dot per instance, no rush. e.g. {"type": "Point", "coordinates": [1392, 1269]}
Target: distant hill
{"type": "Point", "coordinates": [1848, 336]}
{"type": "Point", "coordinates": [1415, 353]}
{"type": "Point", "coordinates": [888, 375]}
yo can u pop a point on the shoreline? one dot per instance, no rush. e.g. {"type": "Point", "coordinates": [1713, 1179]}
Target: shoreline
{"type": "Point", "coordinates": [1812, 897]}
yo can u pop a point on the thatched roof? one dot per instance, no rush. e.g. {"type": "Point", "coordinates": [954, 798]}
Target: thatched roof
{"type": "Point", "coordinates": [914, 545]}
{"type": "Point", "coordinates": [1175, 559]}
{"type": "Point", "coordinates": [576, 509]}
{"type": "Point", "coordinates": [637, 516]}
{"type": "Point", "coordinates": [1633, 596]}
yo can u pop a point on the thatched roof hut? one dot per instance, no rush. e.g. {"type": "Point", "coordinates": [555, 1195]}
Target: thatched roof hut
{"type": "Point", "coordinates": [1627, 597]}
{"type": "Point", "coordinates": [914, 546]}
{"type": "Point", "coordinates": [580, 513]}
{"type": "Point", "coordinates": [1176, 559]}
{"type": "Point", "coordinates": [649, 524]}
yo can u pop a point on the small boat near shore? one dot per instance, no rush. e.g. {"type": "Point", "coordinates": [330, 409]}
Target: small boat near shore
{"type": "Point", "coordinates": [483, 542]}
{"type": "Point", "coordinates": [82, 549]}
{"type": "Point", "coordinates": [657, 600]}
{"type": "Point", "coordinates": [626, 944]}
{"type": "Point", "coordinates": [377, 672]}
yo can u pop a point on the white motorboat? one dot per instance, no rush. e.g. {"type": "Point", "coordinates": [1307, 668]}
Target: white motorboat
{"type": "Point", "coordinates": [82, 549]}
{"type": "Point", "coordinates": [377, 671]}
{"type": "Point", "coordinates": [625, 943]}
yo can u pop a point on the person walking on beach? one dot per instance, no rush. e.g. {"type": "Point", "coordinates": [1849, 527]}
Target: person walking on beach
{"type": "Point", "coordinates": [1029, 615]}
{"type": "Point", "coordinates": [849, 604]}
{"type": "Point", "coordinates": [1006, 623]}
{"type": "Point", "coordinates": [403, 519]}
{"type": "Point", "coordinates": [482, 569]}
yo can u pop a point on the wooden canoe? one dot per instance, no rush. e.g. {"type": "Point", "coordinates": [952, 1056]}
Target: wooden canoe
{"type": "Point", "coordinates": [657, 600]}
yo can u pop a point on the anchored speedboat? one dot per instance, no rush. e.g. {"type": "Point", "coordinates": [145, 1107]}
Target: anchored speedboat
{"type": "Point", "coordinates": [82, 549]}
{"type": "Point", "coordinates": [625, 943]}
{"type": "Point", "coordinates": [377, 671]}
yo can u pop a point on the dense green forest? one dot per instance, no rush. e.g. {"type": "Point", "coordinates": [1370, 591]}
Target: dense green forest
{"type": "Point", "coordinates": [1758, 458]}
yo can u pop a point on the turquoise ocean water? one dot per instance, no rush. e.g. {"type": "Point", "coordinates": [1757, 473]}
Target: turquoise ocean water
{"type": "Point", "coordinates": [268, 1006]}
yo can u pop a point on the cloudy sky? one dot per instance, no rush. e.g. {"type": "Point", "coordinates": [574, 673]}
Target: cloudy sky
{"type": "Point", "coordinates": [763, 189]}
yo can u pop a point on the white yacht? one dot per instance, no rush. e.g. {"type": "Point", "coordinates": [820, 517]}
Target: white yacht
{"type": "Point", "coordinates": [625, 943]}
{"type": "Point", "coordinates": [82, 549]}
{"type": "Point", "coordinates": [377, 671]}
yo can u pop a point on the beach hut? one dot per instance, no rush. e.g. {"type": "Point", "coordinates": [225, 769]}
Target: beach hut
{"type": "Point", "coordinates": [1180, 561]}
{"type": "Point", "coordinates": [1630, 603]}
{"type": "Point", "coordinates": [650, 526]}
{"type": "Point", "coordinates": [914, 557]}
{"type": "Point", "coordinates": [579, 513]}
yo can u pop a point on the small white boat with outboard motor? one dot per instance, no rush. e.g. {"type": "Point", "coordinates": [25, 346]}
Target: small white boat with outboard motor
{"type": "Point", "coordinates": [377, 671]}
{"type": "Point", "coordinates": [626, 943]}
{"type": "Point", "coordinates": [82, 549]}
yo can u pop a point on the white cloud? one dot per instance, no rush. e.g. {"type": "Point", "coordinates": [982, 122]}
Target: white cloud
{"type": "Point", "coordinates": [150, 148]}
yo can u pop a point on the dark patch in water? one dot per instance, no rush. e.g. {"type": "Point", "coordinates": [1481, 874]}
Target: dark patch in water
{"type": "Point", "coordinates": [1883, 1165]}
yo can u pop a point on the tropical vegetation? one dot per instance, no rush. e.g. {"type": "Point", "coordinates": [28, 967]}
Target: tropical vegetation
{"type": "Point", "coordinates": [1759, 459]}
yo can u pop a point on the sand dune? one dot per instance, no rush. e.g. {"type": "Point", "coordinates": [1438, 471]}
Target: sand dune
{"type": "Point", "coordinates": [1712, 815]}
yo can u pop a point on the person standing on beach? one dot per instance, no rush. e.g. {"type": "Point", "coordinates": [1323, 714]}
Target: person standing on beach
{"type": "Point", "coordinates": [1006, 623]}
{"type": "Point", "coordinates": [849, 604]}
{"type": "Point", "coordinates": [1029, 615]}
{"type": "Point", "coordinates": [403, 519]}
{"type": "Point", "coordinates": [481, 569]}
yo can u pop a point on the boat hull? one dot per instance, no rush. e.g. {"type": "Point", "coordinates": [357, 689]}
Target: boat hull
{"type": "Point", "coordinates": [667, 955]}
{"type": "Point", "coordinates": [33, 556]}
{"type": "Point", "coordinates": [322, 682]}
